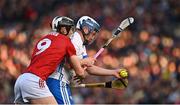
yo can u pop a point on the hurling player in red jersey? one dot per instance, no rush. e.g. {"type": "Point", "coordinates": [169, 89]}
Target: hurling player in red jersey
{"type": "Point", "coordinates": [49, 51]}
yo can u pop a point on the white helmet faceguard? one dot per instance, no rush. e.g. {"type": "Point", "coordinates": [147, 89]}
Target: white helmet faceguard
{"type": "Point", "coordinates": [61, 21]}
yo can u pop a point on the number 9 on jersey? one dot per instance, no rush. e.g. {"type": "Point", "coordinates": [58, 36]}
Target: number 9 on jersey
{"type": "Point", "coordinates": [43, 45]}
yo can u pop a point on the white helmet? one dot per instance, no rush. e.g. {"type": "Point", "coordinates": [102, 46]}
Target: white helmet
{"type": "Point", "coordinates": [61, 21]}
{"type": "Point", "coordinates": [89, 22]}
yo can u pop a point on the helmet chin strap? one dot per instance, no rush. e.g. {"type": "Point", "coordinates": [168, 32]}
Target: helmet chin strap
{"type": "Point", "coordinates": [85, 40]}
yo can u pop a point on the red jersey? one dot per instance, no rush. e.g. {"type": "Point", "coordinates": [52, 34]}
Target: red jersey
{"type": "Point", "coordinates": [48, 53]}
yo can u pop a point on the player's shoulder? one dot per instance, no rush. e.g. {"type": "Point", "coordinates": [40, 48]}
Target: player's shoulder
{"type": "Point", "coordinates": [76, 38]}
{"type": "Point", "coordinates": [57, 36]}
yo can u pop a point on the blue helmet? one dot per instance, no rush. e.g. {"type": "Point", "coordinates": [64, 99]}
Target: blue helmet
{"type": "Point", "coordinates": [89, 22]}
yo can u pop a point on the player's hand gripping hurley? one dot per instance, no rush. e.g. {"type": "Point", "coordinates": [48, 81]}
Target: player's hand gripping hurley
{"type": "Point", "coordinates": [115, 84]}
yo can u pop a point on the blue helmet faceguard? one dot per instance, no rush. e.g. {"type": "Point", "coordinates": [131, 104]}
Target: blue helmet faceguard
{"type": "Point", "coordinates": [91, 25]}
{"type": "Point", "coordinates": [89, 22]}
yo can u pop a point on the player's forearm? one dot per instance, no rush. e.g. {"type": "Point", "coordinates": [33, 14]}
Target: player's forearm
{"type": "Point", "coordinates": [95, 70]}
{"type": "Point", "coordinates": [77, 66]}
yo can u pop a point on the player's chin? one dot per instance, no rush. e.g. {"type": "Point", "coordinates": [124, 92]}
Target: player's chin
{"type": "Point", "coordinates": [90, 42]}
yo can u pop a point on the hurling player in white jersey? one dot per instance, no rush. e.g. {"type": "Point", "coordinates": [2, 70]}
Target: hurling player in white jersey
{"type": "Point", "coordinates": [58, 82]}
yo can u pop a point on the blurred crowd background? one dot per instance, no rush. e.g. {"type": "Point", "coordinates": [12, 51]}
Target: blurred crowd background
{"type": "Point", "coordinates": [149, 49]}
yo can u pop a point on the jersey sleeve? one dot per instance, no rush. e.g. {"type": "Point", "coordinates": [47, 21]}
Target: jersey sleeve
{"type": "Point", "coordinates": [76, 45]}
{"type": "Point", "coordinates": [70, 49]}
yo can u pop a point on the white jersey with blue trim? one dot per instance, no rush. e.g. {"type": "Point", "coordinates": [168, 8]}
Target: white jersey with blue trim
{"type": "Point", "coordinates": [78, 44]}
{"type": "Point", "coordinates": [66, 75]}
